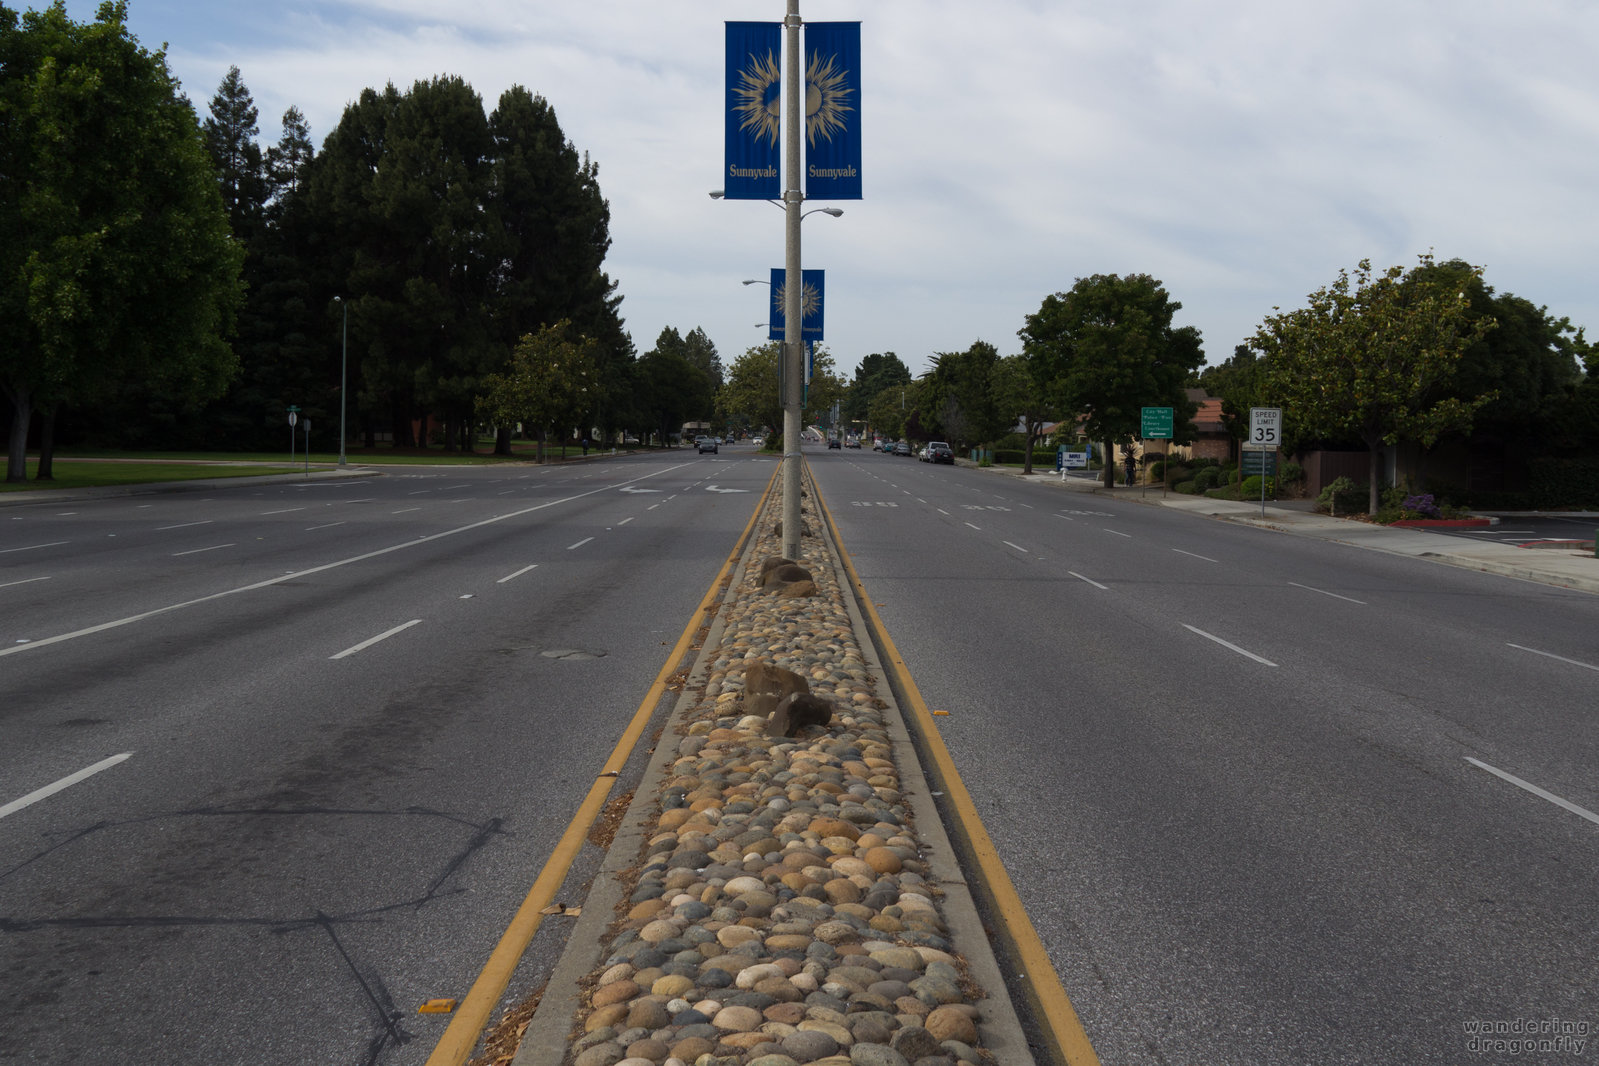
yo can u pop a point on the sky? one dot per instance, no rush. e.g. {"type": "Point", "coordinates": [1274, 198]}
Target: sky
{"type": "Point", "coordinates": [1240, 152]}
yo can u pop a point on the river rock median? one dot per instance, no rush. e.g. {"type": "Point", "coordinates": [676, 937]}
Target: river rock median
{"type": "Point", "coordinates": [780, 909]}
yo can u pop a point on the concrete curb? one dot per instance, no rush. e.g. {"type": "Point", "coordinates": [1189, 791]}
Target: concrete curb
{"type": "Point", "coordinates": [999, 1030]}
{"type": "Point", "coordinates": [551, 1029]}
{"type": "Point", "coordinates": [1568, 572]}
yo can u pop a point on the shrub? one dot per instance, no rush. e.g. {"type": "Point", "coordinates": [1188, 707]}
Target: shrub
{"type": "Point", "coordinates": [1250, 489]}
{"type": "Point", "coordinates": [1157, 470]}
{"type": "Point", "coordinates": [1422, 506]}
{"type": "Point", "coordinates": [1558, 483]}
{"type": "Point", "coordinates": [1292, 473]}
{"type": "Point", "coordinates": [1343, 496]}
{"type": "Point", "coordinates": [1186, 488]}
{"type": "Point", "coordinates": [1206, 478]}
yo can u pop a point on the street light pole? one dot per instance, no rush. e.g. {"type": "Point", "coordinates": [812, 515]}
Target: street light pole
{"type": "Point", "coordinates": [344, 365]}
{"type": "Point", "coordinates": [793, 283]}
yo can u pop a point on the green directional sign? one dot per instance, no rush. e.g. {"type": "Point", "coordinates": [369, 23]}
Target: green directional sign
{"type": "Point", "coordinates": [1156, 423]}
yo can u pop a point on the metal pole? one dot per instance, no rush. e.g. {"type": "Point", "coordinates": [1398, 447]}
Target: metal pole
{"type": "Point", "coordinates": [793, 282]}
{"type": "Point", "coordinates": [344, 378]}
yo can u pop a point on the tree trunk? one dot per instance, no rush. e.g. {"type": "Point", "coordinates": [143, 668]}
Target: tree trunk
{"type": "Point", "coordinates": [17, 455]}
{"type": "Point", "coordinates": [449, 433]}
{"type": "Point", "coordinates": [1027, 456]}
{"type": "Point", "coordinates": [1373, 472]}
{"type": "Point", "coordinates": [46, 470]}
{"type": "Point", "coordinates": [1109, 465]}
{"type": "Point", "coordinates": [502, 440]}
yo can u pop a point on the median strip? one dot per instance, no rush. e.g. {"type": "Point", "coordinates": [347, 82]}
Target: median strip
{"type": "Point", "coordinates": [777, 879]}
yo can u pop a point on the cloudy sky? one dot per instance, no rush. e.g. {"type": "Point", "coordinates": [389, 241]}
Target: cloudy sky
{"type": "Point", "coordinates": [1242, 152]}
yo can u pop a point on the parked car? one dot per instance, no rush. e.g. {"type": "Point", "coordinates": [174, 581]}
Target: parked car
{"type": "Point", "coordinates": [706, 444]}
{"type": "Point", "coordinates": [902, 448]}
{"type": "Point", "coordinates": [939, 452]}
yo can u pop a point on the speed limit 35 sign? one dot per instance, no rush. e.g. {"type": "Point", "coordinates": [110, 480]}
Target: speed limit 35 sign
{"type": "Point", "coordinates": [1265, 427]}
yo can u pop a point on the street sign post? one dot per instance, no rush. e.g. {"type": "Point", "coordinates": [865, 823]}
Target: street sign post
{"type": "Point", "coordinates": [294, 417]}
{"type": "Point", "coordinates": [1265, 436]}
{"type": "Point", "coordinates": [1156, 424]}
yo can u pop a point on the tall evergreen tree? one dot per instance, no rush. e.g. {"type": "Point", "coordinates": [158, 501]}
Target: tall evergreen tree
{"type": "Point", "coordinates": [230, 132]}
{"type": "Point", "coordinates": [556, 222]}
{"type": "Point", "coordinates": [288, 160]}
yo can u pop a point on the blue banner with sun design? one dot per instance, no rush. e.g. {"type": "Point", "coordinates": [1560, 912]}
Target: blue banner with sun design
{"type": "Point", "coordinates": [810, 305]}
{"type": "Point", "coordinates": [833, 110]}
{"type": "Point", "coordinates": [753, 109]}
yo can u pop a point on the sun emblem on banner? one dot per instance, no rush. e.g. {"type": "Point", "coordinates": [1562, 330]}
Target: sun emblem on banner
{"type": "Point", "coordinates": [826, 98]}
{"type": "Point", "coordinates": [759, 93]}
{"type": "Point", "coordinates": [810, 300]}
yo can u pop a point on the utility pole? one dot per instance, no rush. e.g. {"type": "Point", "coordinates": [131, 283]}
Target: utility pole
{"type": "Point", "coordinates": [793, 284]}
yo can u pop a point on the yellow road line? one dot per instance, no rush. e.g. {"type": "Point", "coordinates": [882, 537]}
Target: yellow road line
{"type": "Point", "coordinates": [1057, 1018]}
{"type": "Point", "coordinates": [472, 1018]}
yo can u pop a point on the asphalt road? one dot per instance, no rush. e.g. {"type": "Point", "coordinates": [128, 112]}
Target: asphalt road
{"type": "Point", "coordinates": [1228, 768]}
{"type": "Point", "coordinates": [357, 716]}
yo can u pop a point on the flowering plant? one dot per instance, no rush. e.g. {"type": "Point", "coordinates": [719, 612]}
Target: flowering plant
{"type": "Point", "coordinates": [1422, 506]}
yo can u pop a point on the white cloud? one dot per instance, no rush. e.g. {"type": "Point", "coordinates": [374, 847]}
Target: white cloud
{"type": "Point", "coordinates": [1242, 152]}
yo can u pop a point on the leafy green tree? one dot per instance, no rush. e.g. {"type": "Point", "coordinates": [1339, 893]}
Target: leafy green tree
{"type": "Point", "coordinates": [1238, 384]}
{"type": "Point", "coordinates": [750, 394]}
{"type": "Point", "coordinates": [875, 373]}
{"type": "Point", "coordinates": [958, 402]}
{"type": "Point", "coordinates": [1372, 357]}
{"type": "Point", "coordinates": [672, 391]}
{"type": "Point", "coordinates": [891, 407]}
{"type": "Point", "coordinates": [549, 380]}
{"type": "Point", "coordinates": [1015, 389]}
{"type": "Point", "coordinates": [1107, 348]}
{"type": "Point", "coordinates": [1528, 363]}
{"type": "Point", "coordinates": [827, 387]}
{"type": "Point", "coordinates": [116, 263]}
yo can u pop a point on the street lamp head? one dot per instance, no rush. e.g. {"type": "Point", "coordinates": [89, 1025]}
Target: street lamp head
{"type": "Point", "coordinates": [834, 211]}
{"type": "Point", "coordinates": [717, 194]}
{"type": "Point", "coordinates": [755, 281]}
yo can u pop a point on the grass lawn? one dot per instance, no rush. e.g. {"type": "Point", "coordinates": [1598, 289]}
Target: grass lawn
{"type": "Point", "coordinates": [73, 474]}
{"type": "Point", "coordinates": [75, 470]}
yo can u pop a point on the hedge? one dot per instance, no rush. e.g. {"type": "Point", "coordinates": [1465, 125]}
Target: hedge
{"type": "Point", "coordinates": [1561, 483]}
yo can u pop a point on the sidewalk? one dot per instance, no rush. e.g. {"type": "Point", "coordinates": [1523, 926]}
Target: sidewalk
{"type": "Point", "coordinates": [1567, 568]}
